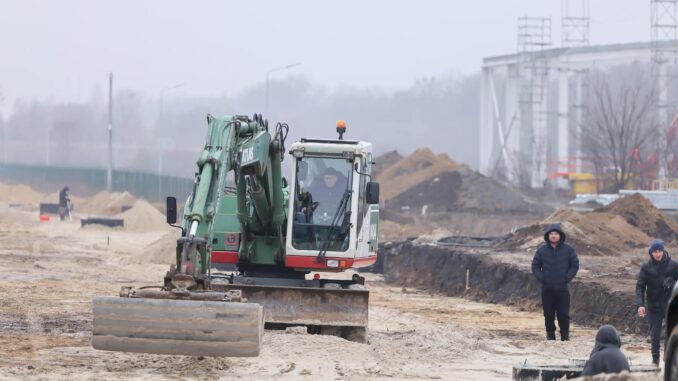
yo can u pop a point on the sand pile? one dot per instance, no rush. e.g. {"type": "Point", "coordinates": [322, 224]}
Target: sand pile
{"type": "Point", "coordinates": [482, 193]}
{"type": "Point", "coordinates": [105, 203]}
{"type": "Point", "coordinates": [438, 183]}
{"type": "Point", "coordinates": [162, 251]}
{"type": "Point", "coordinates": [464, 190]}
{"type": "Point", "coordinates": [420, 166]}
{"type": "Point", "coordinates": [19, 194]}
{"type": "Point", "coordinates": [144, 217]}
{"type": "Point", "coordinates": [639, 212]}
{"type": "Point", "coordinates": [385, 161]}
{"type": "Point", "coordinates": [440, 193]}
{"type": "Point", "coordinates": [53, 198]}
{"type": "Point", "coordinates": [595, 233]}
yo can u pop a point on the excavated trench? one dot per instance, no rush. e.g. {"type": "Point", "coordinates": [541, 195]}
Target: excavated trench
{"type": "Point", "coordinates": [444, 269]}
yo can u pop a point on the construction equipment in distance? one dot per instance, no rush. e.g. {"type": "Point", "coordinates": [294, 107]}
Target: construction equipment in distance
{"type": "Point", "coordinates": [273, 232]}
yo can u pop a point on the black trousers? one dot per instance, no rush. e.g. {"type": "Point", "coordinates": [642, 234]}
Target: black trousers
{"type": "Point", "coordinates": [556, 304]}
{"type": "Point", "coordinates": [654, 323]}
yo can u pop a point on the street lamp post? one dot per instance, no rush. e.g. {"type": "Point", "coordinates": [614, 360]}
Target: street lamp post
{"type": "Point", "coordinates": [268, 77]}
{"type": "Point", "coordinates": [162, 95]}
{"type": "Point", "coordinates": [109, 169]}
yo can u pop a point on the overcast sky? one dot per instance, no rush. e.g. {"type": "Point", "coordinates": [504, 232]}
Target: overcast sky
{"type": "Point", "coordinates": [63, 49]}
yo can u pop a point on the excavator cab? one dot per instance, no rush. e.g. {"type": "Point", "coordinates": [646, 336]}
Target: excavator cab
{"type": "Point", "coordinates": [334, 219]}
{"type": "Point", "coordinates": [322, 204]}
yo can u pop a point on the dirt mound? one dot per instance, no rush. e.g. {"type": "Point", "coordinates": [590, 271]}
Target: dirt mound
{"type": "Point", "coordinates": [412, 170]}
{"type": "Point", "coordinates": [385, 161]}
{"type": "Point", "coordinates": [143, 217]}
{"type": "Point", "coordinates": [389, 230]}
{"type": "Point", "coordinates": [464, 190]}
{"type": "Point", "coordinates": [596, 233]}
{"type": "Point", "coordinates": [438, 183]}
{"type": "Point", "coordinates": [105, 203]}
{"type": "Point", "coordinates": [53, 198]}
{"type": "Point", "coordinates": [19, 194]}
{"type": "Point", "coordinates": [639, 212]}
{"type": "Point", "coordinates": [163, 251]}
{"type": "Point", "coordinates": [440, 192]}
{"type": "Point", "coordinates": [482, 193]}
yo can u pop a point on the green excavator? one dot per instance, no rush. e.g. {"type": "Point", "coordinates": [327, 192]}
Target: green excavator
{"type": "Point", "coordinates": [250, 241]}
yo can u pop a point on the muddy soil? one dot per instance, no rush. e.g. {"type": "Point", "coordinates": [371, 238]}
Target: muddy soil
{"type": "Point", "coordinates": [399, 226]}
{"type": "Point", "coordinates": [49, 271]}
{"type": "Point", "coordinates": [639, 212]}
{"type": "Point", "coordinates": [596, 233]}
{"type": "Point", "coordinates": [602, 293]}
{"type": "Point", "coordinates": [437, 183]}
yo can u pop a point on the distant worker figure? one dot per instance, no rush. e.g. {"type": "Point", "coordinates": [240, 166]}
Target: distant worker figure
{"type": "Point", "coordinates": [64, 203]}
{"type": "Point", "coordinates": [554, 265]}
{"type": "Point", "coordinates": [327, 190]}
{"type": "Point", "coordinates": [606, 356]}
{"type": "Point", "coordinates": [656, 279]}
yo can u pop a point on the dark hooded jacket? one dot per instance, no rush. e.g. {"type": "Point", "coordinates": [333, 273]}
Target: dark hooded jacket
{"type": "Point", "coordinates": [656, 279]}
{"type": "Point", "coordinates": [555, 267]}
{"type": "Point", "coordinates": [63, 197]}
{"type": "Point", "coordinates": [606, 356]}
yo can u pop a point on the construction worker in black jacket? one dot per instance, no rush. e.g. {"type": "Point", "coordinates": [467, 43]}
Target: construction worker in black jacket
{"type": "Point", "coordinates": [554, 265]}
{"type": "Point", "coordinates": [656, 279]}
{"type": "Point", "coordinates": [606, 356]}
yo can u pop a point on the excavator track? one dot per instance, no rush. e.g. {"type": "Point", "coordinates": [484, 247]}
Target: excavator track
{"type": "Point", "coordinates": [177, 327]}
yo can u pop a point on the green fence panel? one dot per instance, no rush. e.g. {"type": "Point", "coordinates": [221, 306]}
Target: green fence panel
{"type": "Point", "coordinates": [87, 181]}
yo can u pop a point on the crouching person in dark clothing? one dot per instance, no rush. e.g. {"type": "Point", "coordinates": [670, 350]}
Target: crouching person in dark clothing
{"type": "Point", "coordinates": [656, 279]}
{"type": "Point", "coordinates": [554, 265]}
{"type": "Point", "coordinates": [606, 356]}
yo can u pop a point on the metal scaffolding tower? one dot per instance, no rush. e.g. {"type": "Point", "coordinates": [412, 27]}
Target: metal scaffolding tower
{"type": "Point", "coordinates": [502, 67]}
{"type": "Point", "coordinates": [534, 38]}
{"type": "Point", "coordinates": [663, 51]}
{"type": "Point", "coordinates": [575, 27]}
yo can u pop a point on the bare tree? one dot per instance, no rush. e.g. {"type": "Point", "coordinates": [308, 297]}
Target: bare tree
{"type": "Point", "coordinates": [619, 123]}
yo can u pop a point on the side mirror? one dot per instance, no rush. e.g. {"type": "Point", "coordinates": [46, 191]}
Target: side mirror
{"type": "Point", "coordinates": [171, 208]}
{"type": "Point", "coordinates": [302, 170]}
{"type": "Point", "coordinates": [372, 193]}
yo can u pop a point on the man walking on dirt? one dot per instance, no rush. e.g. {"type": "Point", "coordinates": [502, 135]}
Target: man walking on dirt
{"type": "Point", "coordinates": [64, 203]}
{"type": "Point", "coordinates": [656, 279]}
{"type": "Point", "coordinates": [554, 265]}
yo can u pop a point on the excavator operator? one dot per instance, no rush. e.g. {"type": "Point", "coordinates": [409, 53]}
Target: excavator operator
{"type": "Point", "coordinates": [327, 190]}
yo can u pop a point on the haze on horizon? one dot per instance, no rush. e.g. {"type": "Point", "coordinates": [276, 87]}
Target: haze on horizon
{"type": "Point", "coordinates": [403, 73]}
{"type": "Point", "coordinates": [62, 50]}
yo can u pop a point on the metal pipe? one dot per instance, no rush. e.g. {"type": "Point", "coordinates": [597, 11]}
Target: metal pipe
{"type": "Point", "coordinates": [194, 229]}
{"type": "Point", "coordinates": [109, 170]}
{"type": "Point", "coordinates": [278, 212]}
{"type": "Point", "coordinates": [260, 201]}
{"type": "Point", "coordinates": [200, 197]}
{"type": "Point", "coordinates": [242, 205]}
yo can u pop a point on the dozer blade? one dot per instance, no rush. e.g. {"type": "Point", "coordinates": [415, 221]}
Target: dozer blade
{"type": "Point", "coordinates": [177, 327]}
{"type": "Point", "coordinates": [306, 305]}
